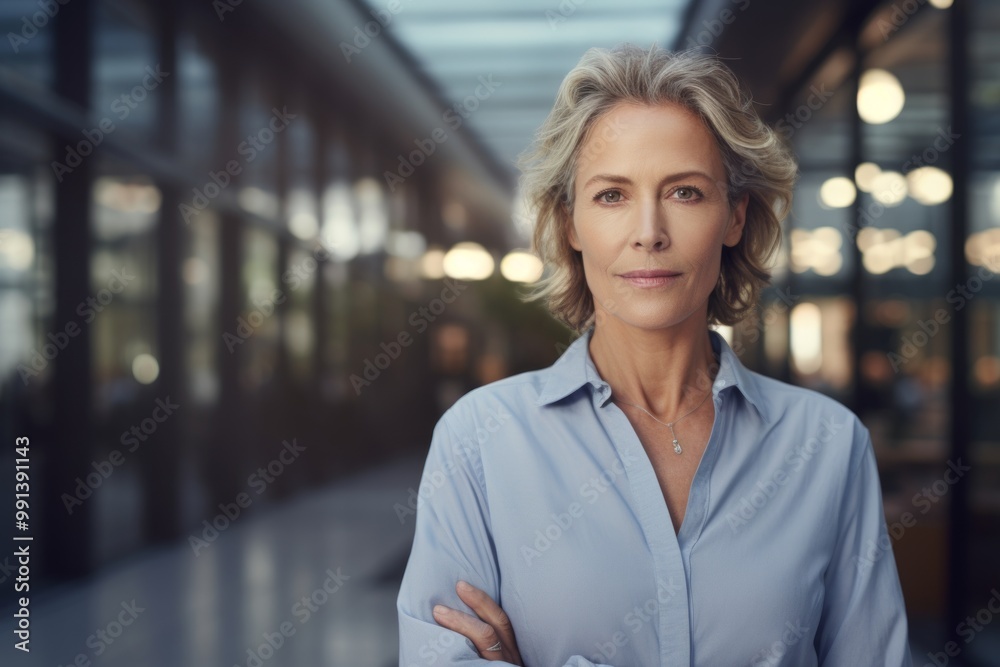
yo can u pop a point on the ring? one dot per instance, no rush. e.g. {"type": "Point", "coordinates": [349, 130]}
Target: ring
{"type": "Point", "coordinates": [495, 647]}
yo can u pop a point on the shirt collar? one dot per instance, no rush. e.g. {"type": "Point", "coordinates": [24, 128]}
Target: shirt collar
{"type": "Point", "coordinates": [575, 368]}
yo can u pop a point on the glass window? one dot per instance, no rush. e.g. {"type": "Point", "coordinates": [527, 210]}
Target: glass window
{"type": "Point", "coordinates": [26, 265]}
{"type": "Point", "coordinates": [260, 317]}
{"type": "Point", "coordinates": [125, 210]}
{"type": "Point", "coordinates": [198, 105]}
{"type": "Point", "coordinates": [29, 29]}
{"type": "Point", "coordinates": [126, 70]}
{"type": "Point", "coordinates": [260, 125]}
{"type": "Point", "coordinates": [200, 273]}
{"type": "Point", "coordinates": [122, 313]}
{"type": "Point", "coordinates": [299, 332]}
{"type": "Point", "coordinates": [819, 261]}
{"type": "Point", "coordinates": [903, 101]}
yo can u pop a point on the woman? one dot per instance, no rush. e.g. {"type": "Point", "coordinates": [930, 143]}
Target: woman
{"type": "Point", "coordinates": [604, 510]}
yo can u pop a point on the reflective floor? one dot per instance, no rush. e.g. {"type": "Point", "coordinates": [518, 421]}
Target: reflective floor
{"type": "Point", "coordinates": [317, 578]}
{"type": "Point", "coordinates": [312, 582]}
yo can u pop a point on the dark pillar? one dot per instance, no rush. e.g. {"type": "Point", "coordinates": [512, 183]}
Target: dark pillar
{"type": "Point", "coordinates": [226, 456]}
{"type": "Point", "coordinates": [857, 277]}
{"type": "Point", "coordinates": [65, 540]}
{"type": "Point", "coordinates": [161, 462]}
{"type": "Point", "coordinates": [960, 408]}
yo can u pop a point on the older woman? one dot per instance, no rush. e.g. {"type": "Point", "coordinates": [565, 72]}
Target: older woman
{"type": "Point", "coordinates": [648, 500]}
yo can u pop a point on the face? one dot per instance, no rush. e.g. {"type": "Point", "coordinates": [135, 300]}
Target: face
{"type": "Point", "coordinates": [651, 214]}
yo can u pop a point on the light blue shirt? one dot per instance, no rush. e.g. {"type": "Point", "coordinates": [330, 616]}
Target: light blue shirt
{"type": "Point", "coordinates": [537, 490]}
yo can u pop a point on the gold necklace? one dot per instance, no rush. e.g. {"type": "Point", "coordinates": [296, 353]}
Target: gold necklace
{"type": "Point", "coordinates": [670, 425]}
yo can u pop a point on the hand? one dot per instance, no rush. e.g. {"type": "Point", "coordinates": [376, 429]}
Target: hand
{"type": "Point", "coordinates": [492, 626]}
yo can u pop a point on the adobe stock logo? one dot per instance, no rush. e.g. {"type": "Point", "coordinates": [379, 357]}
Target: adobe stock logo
{"type": "Point", "coordinates": [930, 495]}
{"type": "Point", "coordinates": [364, 36]}
{"type": "Point", "coordinates": [139, 433]}
{"type": "Point", "coordinates": [87, 310]}
{"type": "Point", "coordinates": [122, 107]}
{"type": "Point", "coordinates": [259, 480]}
{"type": "Point", "coordinates": [420, 319]}
{"type": "Point", "coordinates": [794, 460]}
{"type": "Point", "coordinates": [465, 453]}
{"type": "Point", "coordinates": [453, 118]}
{"type": "Point", "coordinates": [252, 146]}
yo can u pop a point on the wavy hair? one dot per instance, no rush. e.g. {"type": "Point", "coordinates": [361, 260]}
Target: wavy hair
{"type": "Point", "coordinates": [756, 162]}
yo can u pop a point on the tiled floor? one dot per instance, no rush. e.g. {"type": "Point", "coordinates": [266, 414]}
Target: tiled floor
{"type": "Point", "coordinates": [212, 609]}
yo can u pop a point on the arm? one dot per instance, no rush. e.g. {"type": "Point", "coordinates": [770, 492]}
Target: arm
{"type": "Point", "coordinates": [864, 619]}
{"type": "Point", "coordinates": [453, 541]}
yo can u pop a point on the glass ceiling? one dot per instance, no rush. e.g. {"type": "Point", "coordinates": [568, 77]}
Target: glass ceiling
{"type": "Point", "coordinates": [524, 47]}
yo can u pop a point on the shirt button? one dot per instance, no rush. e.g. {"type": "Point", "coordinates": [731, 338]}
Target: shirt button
{"type": "Point", "coordinates": [719, 384]}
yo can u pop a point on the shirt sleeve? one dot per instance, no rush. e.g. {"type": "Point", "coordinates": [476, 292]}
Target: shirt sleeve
{"type": "Point", "coordinates": [864, 618]}
{"type": "Point", "coordinates": [452, 541]}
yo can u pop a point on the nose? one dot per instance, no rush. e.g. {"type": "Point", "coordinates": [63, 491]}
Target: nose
{"type": "Point", "coordinates": [651, 228]}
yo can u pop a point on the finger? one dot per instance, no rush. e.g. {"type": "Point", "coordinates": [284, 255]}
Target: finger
{"type": "Point", "coordinates": [491, 613]}
{"type": "Point", "coordinates": [482, 635]}
{"type": "Point", "coordinates": [483, 605]}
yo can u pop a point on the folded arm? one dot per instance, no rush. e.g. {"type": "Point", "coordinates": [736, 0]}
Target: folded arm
{"type": "Point", "coordinates": [453, 541]}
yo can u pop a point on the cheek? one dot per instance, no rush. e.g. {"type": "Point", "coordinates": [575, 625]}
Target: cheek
{"type": "Point", "coordinates": [600, 244]}
{"type": "Point", "coordinates": [701, 243]}
{"type": "Point", "coordinates": [598, 260]}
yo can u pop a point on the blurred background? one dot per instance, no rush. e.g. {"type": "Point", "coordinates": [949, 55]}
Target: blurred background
{"type": "Point", "coordinates": [250, 251]}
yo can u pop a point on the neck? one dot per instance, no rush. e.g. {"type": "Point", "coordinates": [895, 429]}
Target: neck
{"type": "Point", "coordinates": [665, 371]}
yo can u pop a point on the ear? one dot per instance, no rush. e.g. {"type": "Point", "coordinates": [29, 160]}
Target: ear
{"type": "Point", "coordinates": [737, 220]}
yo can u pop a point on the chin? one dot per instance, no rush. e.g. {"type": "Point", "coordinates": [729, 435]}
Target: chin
{"type": "Point", "coordinates": [650, 320]}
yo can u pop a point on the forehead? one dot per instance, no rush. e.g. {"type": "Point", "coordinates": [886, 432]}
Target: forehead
{"type": "Point", "coordinates": [633, 138]}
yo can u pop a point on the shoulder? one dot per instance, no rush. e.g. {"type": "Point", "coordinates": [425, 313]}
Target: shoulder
{"type": "Point", "coordinates": [782, 397]}
{"type": "Point", "coordinates": [498, 401]}
{"type": "Point", "coordinates": [498, 412]}
{"type": "Point", "coordinates": [812, 417]}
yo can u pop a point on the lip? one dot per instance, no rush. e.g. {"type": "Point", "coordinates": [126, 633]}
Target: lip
{"type": "Point", "coordinates": [650, 278]}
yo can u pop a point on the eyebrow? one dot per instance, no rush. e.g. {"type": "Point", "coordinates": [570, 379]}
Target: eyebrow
{"type": "Point", "coordinates": [625, 180]}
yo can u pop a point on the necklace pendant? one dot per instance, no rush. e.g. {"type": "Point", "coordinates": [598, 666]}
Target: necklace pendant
{"type": "Point", "coordinates": [677, 446]}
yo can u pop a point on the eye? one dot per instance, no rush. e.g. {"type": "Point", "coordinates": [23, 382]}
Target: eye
{"type": "Point", "coordinates": [687, 193]}
{"type": "Point", "coordinates": [602, 197]}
